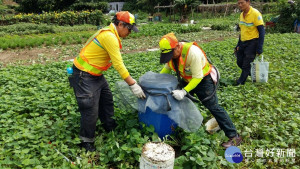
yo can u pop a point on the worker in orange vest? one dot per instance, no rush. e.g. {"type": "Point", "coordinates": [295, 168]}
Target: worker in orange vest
{"type": "Point", "coordinates": [199, 77]}
{"type": "Point", "coordinates": [91, 89]}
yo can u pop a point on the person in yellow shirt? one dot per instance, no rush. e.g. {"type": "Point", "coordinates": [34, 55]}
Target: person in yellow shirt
{"type": "Point", "coordinates": [251, 39]}
{"type": "Point", "coordinates": [93, 95]}
{"type": "Point", "coordinates": [199, 77]}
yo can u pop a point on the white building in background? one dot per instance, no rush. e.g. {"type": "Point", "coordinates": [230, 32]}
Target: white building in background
{"type": "Point", "coordinates": [116, 6]}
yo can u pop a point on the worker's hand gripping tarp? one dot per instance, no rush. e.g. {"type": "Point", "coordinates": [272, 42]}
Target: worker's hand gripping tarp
{"type": "Point", "coordinates": [179, 94]}
{"type": "Point", "coordinates": [137, 90]}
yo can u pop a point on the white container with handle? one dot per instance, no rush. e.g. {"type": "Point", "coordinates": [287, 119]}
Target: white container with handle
{"type": "Point", "coordinates": [157, 155]}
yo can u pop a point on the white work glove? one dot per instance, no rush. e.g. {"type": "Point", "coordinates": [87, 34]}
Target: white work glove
{"type": "Point", "coordinates": [179, 94]}
{"type": "Point", "coordinates": [137, 91]}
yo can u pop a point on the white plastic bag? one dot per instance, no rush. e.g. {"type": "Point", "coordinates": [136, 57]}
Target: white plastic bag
{"type": "Point", "coordinates": [259, 70]}
{"type": "Point", "coordinates": [212, 126]}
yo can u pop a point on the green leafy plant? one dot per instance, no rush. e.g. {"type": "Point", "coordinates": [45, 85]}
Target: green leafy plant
{"type": "Point", "coordinates": [39, 113]}
{"type": "Point", "coordinates": [94, 17]}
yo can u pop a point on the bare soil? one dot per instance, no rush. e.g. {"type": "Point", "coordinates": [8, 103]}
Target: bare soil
{"type": "Point", "coordinates": [13, 56]}
{"type": "Point", "coordinates": [45, 54]}
{"type": "Point", "coordinates": [41, 54]}
{"type": "Point", "coordinates": [9, 2]}
{"type": "Point", "coordinates": [27, 56]}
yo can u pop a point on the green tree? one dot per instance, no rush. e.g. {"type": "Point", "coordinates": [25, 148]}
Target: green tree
{"type": "Point", "coordinates": [288, 14]}
{"type": "Point", "coordinates": [144, 5]}
{"type": "Point", "coordinates": [148, 5]}
{"type": "Point", "coordinates": [185, 5]}
{"type": "Point", "coordinates": [38, 6]}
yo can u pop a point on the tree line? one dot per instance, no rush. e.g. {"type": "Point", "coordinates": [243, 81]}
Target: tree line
{"type": "Point", "coordinates": [39, 6]}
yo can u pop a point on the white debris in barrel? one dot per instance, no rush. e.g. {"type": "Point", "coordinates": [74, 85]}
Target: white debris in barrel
{"type": "Point", "coordinates": [158, 152]}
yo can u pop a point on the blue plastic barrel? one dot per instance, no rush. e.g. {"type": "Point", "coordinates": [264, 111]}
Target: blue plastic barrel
{"type": "Point", "coordinates": [163, 125]}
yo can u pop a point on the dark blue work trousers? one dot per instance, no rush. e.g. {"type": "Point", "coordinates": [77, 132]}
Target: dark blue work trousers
{"type": "Point", "coordinates": [205, 89]}
{"type": "Point", "coordinates": [94, 99]}
{"type": "Point", "coordinates": [245, 55]}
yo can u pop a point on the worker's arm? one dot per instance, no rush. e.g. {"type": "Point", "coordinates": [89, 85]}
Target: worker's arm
{"type": "Point", "coordinates": [196, 60]}
{"type": "Point", "coordinates": [165, 70]}
{"type": "Point", "coordinates": [259, 23]}
{"type": "Point", "coordinates": [180, 93]}
{"type": "Point", "coordinates": [238, 44]}
{"type": "Point", "coordinates": [192, 84]}
{"type": "Point", "coordinates": [261, 38]}
{"type": "Point", "coordinates": [111, 44]}
{"type": "Point", "coordinates": [130, 81]}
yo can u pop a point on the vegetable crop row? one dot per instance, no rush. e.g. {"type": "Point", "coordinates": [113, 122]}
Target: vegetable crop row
{"type": "Point", "coordinates": [65, 37]}
{"type": "Point", "coordinates": [31, 28]}
{"type": "Point", "coordinates": [38, 107]}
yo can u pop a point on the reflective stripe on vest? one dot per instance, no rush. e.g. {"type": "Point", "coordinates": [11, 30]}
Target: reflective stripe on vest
{"type": "Point", "coordinates": [82, 63]}
{"type": "Point", "coordinates": [90, 69]}
{"type": "Point", "coordinates": [182, 61]}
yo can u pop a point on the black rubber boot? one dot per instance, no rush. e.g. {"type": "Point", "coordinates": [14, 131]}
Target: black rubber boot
{"type": "Point", "coordinates": [89, 146]}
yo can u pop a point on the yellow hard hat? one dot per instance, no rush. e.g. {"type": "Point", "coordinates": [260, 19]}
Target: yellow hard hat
{"type": "Point", "coordinates": [167, 44]}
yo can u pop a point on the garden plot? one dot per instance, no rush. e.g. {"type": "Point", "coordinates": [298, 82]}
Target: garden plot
{"type": "Point", "coordinates": [37, 106]}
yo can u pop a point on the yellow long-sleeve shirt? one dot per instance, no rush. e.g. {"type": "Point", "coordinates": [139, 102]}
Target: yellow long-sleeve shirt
{"type": "Point", "coordinates": [104, 48]}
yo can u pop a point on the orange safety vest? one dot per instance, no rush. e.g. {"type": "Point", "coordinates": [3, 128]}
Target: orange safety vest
{"type": "Point", "coordinates": [182, 61]}
{"type": "Point", "coordinates": [82, 63]}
